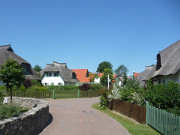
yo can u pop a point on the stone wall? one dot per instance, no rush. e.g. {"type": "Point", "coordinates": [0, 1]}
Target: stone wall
{"type": "Point", "coordinates": [27, 123]}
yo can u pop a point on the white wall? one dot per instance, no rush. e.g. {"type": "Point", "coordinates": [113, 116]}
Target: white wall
{"type": "Point", "coordinates": [174, 78]}
{"type": "Point", "coordinates": [52, 79]}
{"type": "Point", "coordinates": [97, 80]}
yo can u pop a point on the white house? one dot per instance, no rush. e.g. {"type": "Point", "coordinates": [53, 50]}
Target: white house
{"type": "Point", "coordinates": [58, 74]}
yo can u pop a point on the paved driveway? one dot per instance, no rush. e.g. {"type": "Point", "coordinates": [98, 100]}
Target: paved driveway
{"type": "Point", "coordinates": [76, 117]}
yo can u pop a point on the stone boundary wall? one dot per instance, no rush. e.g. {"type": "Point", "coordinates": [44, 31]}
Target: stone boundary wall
{"type": "Point", "coordinates": [27, 123]}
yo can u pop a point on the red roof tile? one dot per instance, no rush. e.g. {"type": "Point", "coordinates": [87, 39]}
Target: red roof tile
{"type": "Point", "coordinates": [82, 75]}
{"type": "Point", "coordinates": [136, 74]}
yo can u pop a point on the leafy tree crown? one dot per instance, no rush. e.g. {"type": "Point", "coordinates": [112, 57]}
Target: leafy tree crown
{"type": "Point", "coordinates": [104, 78]}
{"type": "Point", "coordinates": [37, 68]}
{"type": "Point", "coordinates": [104, 65]}
{"type": "Point", "coordinates": [121, 70]}
{"type": "Point", "coordinates": [11, 74]}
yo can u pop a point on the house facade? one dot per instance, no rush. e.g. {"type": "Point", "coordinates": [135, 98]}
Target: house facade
{"type": "Point", "coordinates": [58, 74]}
{"type": "Point", "coordinates": [167, 67]}
{"type": "Point", "coordinates": [6, 52]}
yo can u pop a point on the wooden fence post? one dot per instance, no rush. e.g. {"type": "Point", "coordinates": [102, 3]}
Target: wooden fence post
{"type": "Point", "coordinates": [147, 112]}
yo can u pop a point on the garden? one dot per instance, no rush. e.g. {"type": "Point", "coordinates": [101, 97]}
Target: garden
{"type": "Point", "coordinates": [157, 105]}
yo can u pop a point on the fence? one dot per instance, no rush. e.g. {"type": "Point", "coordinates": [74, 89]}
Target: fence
{"type": "Point", "coordinates": [130, 109]}
{"type": "Point", "coordinates": [55, 94]}
{"type": "Point", "coordinates": [164, 122]}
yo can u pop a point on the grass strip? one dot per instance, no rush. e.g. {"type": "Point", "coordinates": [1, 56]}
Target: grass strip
{"type": "Point", "coordinates": [132, 127]}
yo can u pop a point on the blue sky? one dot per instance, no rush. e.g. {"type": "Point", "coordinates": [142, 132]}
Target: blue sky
{"type": "Point", "coordinates": [84, 33]}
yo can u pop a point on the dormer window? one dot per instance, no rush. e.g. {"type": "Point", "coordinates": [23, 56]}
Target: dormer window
{"type": "Point", "coordinates": [73, 75]}
{"type": "Point", "coordinates": [158, 66]}
{"type": "Point", "coordinates": [10, 49]}
{"type": "Point", "coordinates": [27, 68]}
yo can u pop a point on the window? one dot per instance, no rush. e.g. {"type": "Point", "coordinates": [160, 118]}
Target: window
{"type": "Point", "coordinates": [158, 66]}
{"type": "Point", "coordinates": [73, 75]}
{"type": "Point", "coordinates": [164, 82]}
{"type": "Point", "coordinates": [45, 84]}
{"type": "Point", "coordinates": [50, 74]}
{"type": "Point", "coordinates": [55, 74]}
{"type": "Point", "coordinates": [59, 83]}
{"type": "Point", "coordinates": [27, 68]}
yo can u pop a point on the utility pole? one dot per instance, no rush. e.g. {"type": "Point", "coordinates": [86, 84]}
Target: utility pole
{"type": "Point", "coordinates": [108, 81]}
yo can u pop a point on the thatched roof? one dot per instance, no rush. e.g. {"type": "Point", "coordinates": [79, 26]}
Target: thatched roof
{"type": "Point", "coordinates": [168, 63]}
{"type": "Point", "coordinates": [66, 74]}
{"type": "Point", "coordinates": [145, 75]}
{"type": "Point", "coordinates": [6, 52]}
{"type": "Point", "coordinates": [170, 60]}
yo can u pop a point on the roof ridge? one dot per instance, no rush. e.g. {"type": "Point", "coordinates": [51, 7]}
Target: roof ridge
{"type": "Point", "coordinates": [80, 69]}
{"type": "Point", "coordinates": [4, 45]}
{"type": "Point", "coordinates": [169, 46]}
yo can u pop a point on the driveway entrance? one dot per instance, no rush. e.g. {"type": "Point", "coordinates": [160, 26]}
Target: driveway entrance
{"type": "Point", "coordinates": [76, 117]}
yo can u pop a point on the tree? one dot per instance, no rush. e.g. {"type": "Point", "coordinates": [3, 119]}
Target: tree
{"type": "Point", "coordinates": [37, 68]}
{"type": "Point", "coordinates": [121, 70]}
{"type": "Point", "coordinates": [11, 74]}
{"type": "Point", "coordinates": [104, 78]}
{"type": "Point", "coordinates": [125, 79]}
{"type": "Point", "coordinates": [103, 65]}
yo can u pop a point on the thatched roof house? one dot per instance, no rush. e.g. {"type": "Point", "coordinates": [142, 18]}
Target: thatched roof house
{"type": "Point", "coordinates": [167, 66]}
{"type": "Point", "coordinates": [6, 52]}
{"type": "Point", "coordinates": [58, 74]}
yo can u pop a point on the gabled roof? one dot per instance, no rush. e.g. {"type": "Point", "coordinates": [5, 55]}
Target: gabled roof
{"type": "Point", "coordinates": [146, 74]}
{"type": "Point", "coordinates": [82, 75]}
{"type": "Point", "coordinates": [66, 74]}
{"type": "Point", "coordinates": [6, 52]}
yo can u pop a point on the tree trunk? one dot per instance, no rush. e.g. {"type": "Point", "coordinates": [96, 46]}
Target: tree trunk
{"type": "Point", "coordinates": [11, 95]}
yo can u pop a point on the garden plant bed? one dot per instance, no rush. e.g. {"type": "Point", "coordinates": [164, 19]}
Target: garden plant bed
{"type": "Point", "coordinates": [27, 123]}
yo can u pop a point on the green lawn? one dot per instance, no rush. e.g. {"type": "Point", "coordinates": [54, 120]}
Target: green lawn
{"type": "Point", "coordinates": [133, 127]}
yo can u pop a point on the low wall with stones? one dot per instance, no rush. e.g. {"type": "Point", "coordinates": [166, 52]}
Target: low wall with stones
{"type": "Point", "coordinates": [27, 123]}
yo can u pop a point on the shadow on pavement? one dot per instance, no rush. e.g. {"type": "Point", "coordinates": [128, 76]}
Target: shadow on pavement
{"type": "Point", "coordinates": [47, 124]}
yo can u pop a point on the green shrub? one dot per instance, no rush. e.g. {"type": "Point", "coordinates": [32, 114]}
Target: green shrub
{"type": "Point", "coordinates": [85, 86]}
{"type": "Point", "coordinates": [65, 87]}
{"type": "Point", "coordinates": [22, 88]}
{"type": "Point", "coordinates": [166, 97]}
{"type": "Point", "coordinates": [126, 94]}
{"type": "Point", "coordinates": [103, 101]}
{"type": "Point", "coordinates": [37, 88]}
{"type": "Point", "coordinates": [35, 83]}
{"type": "Point", "coordinates": [1, 96]}
{"type": "Point", "coordinates": [10, 110]}
{"type": "Point", "coordinates": [96, 87]}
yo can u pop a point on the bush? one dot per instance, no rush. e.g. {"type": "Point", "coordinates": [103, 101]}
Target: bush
{"type": "Point", "coordinates": [65, 87]}
{"type": "Point", "coordinates": [37, 88]}
{"type": "Point", "coordinates": [1, 96]}
{"type": "Point", "coordinates": [96, 87]}
{"type": "Point", "coordinates": [10, 110]}
{"type": "Point", "coordinates": [27, 83]}
{"type": "Point", "coordinates": [22, 88]}
{"type": "Point", "coordinates": [35, 83]}
{"type": "Point", "coordinates": [85, 86]}
{"type": "Point", "coordinates": [165, 97]}
{"type": "Point", "coordinates": [104, 101]}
